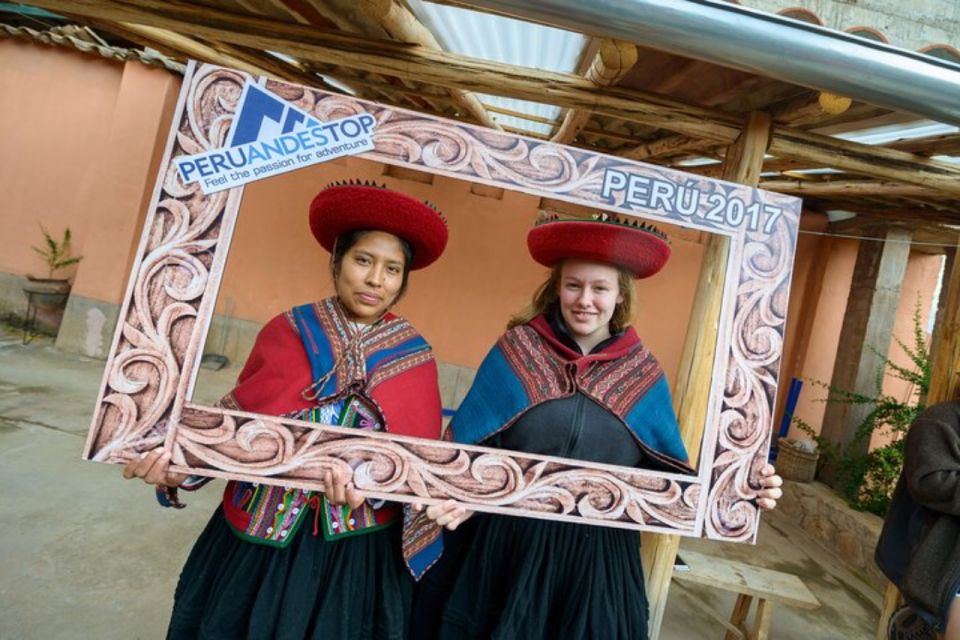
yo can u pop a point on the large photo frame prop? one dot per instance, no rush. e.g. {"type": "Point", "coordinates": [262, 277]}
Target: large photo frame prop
{"type": "Point", "coordinates": [144, 403]}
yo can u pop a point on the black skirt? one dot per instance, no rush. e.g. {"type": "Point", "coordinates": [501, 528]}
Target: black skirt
{"type": "Point", "coordinates": [510, 578]}
{"type": "Point", "coordinates": [356, 588]}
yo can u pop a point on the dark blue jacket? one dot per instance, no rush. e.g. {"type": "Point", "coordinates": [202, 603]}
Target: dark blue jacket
{"type": "Point", "coordinates": [919, 547]}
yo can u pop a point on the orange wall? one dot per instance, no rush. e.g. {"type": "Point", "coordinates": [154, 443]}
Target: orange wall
{"type": "Point", "coordinates": [830, 306]}
{"type": "Point", "coordinates": [81, 142]}
{"type": "Point", "coordinates": [82, 136]}
{"type": "Point", "coordinates": [822, 346]}
{"type": "Point", "coordinates": [98, 142]}
{"type": "Point", "coordinates": [119, 177]}
{"type": "Point", "coordinates": [462, 302]}
{"type": "Point", "coordinates": [55, 110]}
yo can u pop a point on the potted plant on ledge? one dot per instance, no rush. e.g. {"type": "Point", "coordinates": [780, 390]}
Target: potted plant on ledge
{"type": "Point", "coordinates": [57, 256]}
{"type": "Point", "coordinates": [47, 297]}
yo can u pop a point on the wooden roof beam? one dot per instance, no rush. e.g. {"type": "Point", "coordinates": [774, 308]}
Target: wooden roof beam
{"type": "Point", "coordinates": [667, 145]}
{"type": "Point", "coordinates": [306, 13]}
{"type": "Point", "coordinates": [893, 213]}
{"type": "Point", "coordinates": [948, 144]}
{"type": "Point", "coordinates": [565, 90]}
{"type": "Point", "coordinates": [613, 60]}
{"type": "Point", "coordinates": [254, 63]}
{"type": "Point", "coordinates": [827, 188]}
{"type": "Point", "coordinates": [803, 109]}
{"type": "Point", "coordinates": [402, 25]}
{"type": "Point", "coordinates": [943, 145]}
{"type": "Point", "coordinates": [586, 131]}
{"type": "Point", "coordinates": [925, 230]}
{"type": "Point", "coordinates": [391, 19]}
{"type": "Point", "coordinates": [412, 62]}
{"type": "Point", "coordinates": [810, 108]}
{"type": "Point", "coordinates": [260, 63]}
{"type": "Point", "coordinates": [683, 75]}
{"type": "Point", "coordinates": [301, 14]}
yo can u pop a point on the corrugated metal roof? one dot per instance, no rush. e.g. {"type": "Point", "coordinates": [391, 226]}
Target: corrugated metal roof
{"type": "Point", "coordinates": [890, 133]}
{"type": "Point", "coordinates": [492, 37]}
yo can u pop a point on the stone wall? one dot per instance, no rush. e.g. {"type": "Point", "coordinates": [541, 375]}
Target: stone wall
{"type": "Point", "coordinates": [908, 25]}
{"type": "Point", "coordinates": [851, 535]}
{"type": "Point", "coordinates": [12, 299]}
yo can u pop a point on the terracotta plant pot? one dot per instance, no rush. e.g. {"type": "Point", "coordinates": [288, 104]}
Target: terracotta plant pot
{"type": "Point", "coordinates": [41, 286]}
{"type": "Point", "coordinates": [46, 301]}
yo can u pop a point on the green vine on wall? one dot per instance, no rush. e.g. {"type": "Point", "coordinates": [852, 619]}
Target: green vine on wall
{"type": "Point", "coordinates": [867, 481]}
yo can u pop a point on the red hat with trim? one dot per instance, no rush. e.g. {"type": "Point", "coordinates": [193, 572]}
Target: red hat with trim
{"type": "Point", "coordinates": [632, 244]}
{"type": "Point", "coordinates": [349, 206]}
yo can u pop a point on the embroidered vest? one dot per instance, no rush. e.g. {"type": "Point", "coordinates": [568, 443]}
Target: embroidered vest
{"type": "Point", "coordinates": [271, 515]}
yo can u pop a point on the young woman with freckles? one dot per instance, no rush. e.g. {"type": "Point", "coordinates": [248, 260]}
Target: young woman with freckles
{"type": "Point", "coordinates": [595, 393]}
{"type": "Point", "coordinates": [278, 562]}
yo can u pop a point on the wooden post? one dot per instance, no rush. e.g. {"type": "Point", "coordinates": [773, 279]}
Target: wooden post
{"type": "Point", "coordinates": [944, 383]}
{"type": "Point", "coordinates": [891, 601]}
{"type": "Point", "coordinates": [739, 617]}
{"type": "Point", "coordinates": [867, 330]}
{"type": "Point", "coordinates": [807, 108]}
{"type": "Point", "coordinates": [762, 621]}
{"type": "Point", "coordinates": [945, 376]}
{"type": "Point", "coordinates": [743, 164]}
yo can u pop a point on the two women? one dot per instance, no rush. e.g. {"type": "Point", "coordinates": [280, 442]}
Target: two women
{"type": "Point", "coordinates": [277, 562]}
{"type": "Point", "coordinates": [570, 378]}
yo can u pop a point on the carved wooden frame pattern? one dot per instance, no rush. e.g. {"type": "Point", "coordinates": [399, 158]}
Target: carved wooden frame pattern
{"type": "Point", "coordinates": [170, 299]}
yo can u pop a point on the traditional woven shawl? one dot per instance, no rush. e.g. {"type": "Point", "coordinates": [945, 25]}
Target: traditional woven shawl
{"type": "Point", "coordinates": [391, 365]}
{"type": "Point", "coordinates": [528, 366]}
{"type": "Point", "coordinates": [312, 356]}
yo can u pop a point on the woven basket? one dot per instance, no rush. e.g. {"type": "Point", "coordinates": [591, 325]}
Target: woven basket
{"type": "Point", "coordinates": [794, 463]}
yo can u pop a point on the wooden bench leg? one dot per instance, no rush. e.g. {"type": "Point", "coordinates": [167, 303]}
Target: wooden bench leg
{"type": "Point", "coordinates": [762, 620]}
{"type": "Point", "coordinates": [740, 610]}
{"type": "Point", "coordinates": [891, 600]}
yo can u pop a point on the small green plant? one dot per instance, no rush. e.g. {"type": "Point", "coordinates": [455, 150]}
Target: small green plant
{"type": "Point", "coordinates": [56, 254]}
{"type": "Point", "coordinates": [867, 480]}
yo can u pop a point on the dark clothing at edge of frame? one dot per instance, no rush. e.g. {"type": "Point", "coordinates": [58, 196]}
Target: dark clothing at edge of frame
{"type": "Point", "coordinates": [505, 577]}
{"type": "Point", "coordinates": [919, 547]}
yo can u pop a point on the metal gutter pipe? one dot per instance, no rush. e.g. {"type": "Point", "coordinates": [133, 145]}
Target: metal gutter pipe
{"type": "Point", "coordinates": [761, 43]}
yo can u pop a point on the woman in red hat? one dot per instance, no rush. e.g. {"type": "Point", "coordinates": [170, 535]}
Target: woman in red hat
{"type": "Point", "coordinates": [570, 378]}
{"type": "Point", "coordinates": [278, 562]}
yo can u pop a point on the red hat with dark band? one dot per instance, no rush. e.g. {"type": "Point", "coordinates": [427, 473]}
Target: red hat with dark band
{"type": "Point", "coordinates": [629, 243]}
{"type": "Point", "coordinates": [343, 207]}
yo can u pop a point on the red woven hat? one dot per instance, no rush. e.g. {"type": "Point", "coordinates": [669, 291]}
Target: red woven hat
{"type": "Point", "coordinates": [631, 244]}
{"type": "Point", "coordinates": [343, 207]}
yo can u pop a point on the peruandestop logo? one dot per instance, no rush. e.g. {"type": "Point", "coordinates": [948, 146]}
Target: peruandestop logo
{"type": "Point", "coordinates": [270, 136]}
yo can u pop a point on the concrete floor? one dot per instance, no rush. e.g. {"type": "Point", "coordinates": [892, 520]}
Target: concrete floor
{"type": "Point", "coordinates": [88, 555]}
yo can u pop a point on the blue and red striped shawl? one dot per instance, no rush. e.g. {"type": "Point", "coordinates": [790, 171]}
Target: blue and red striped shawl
{"type": "Point", "coordinates": [528, 366]}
